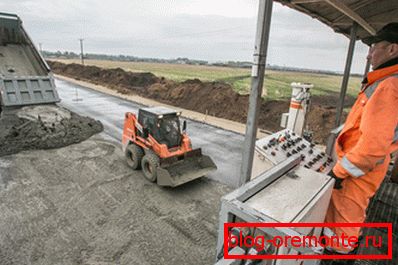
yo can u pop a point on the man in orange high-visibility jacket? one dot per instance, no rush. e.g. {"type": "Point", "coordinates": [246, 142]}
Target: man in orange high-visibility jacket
{"type": "Point", "coordinates": [369, 136]}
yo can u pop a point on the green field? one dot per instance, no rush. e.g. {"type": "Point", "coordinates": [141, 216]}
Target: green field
{"type": "Point", "coordinates": [277, 83]}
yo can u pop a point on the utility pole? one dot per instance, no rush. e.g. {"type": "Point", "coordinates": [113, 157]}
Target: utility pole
{"type": "Point", "coordinates": [40, 48]}
{"type": "Point", "coordinates": [81, 51]}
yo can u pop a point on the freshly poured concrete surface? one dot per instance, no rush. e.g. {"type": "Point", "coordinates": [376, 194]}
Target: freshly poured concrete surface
{"type": "Point", "coordinates": [81, 204]}
{"type": "Point", "coordinates": [190, 114]}
{"type": "Point", "coordinates": [223, 146]}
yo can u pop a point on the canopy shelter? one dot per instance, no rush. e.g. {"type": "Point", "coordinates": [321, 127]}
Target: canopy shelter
{"type": "Point", "coordinates": [370, 15]}
{"type": "Point", "coordinates": [356, 19]}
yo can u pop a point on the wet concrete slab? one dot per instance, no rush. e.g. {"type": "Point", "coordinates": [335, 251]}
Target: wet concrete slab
{"type": "Point", "coordinates": [223, 146]}
{"type": "Point", "coordinates": [81, 204]}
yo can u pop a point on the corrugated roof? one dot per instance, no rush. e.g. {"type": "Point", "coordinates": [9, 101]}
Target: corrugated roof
{"type": "Point", "coordinates": [371, 15]}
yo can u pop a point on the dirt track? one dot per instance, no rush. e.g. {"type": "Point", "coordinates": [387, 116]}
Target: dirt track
{"type": "Point", "coordinates": [214, 98]}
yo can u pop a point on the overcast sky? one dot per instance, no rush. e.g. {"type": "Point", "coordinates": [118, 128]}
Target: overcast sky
{"type": "Point", "coordinates": [214, 30]}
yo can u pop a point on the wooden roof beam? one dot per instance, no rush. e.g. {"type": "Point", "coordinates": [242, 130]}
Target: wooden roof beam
{"type": "Point", "coordinates": [349, 23]}
{"type": "Point", "coordinates": [355, 8]}
{"type": "Point", "coordinates": [352, 15]}
{"type": "Point", "coordinates": [304, 1]}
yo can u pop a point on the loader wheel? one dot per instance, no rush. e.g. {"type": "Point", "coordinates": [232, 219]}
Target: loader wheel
{"type": "Point", "coordinates": [134, 155]}
{"type": "Point", "coordinates": [149, 165]}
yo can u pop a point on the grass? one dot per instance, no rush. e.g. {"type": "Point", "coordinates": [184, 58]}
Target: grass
{"type": "Point", "coordinates": [277, 83]}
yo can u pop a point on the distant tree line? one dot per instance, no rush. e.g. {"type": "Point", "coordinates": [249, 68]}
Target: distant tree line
{"type": "Point", "coordinates": [129, 58]}
{"type": "Point", "coordinates": [121, 58]}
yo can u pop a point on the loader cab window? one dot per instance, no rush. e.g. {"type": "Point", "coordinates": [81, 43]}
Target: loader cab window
{"type": "Point", "coordinates": [169, 131]}
{"type": "Point", "coordinates": [147, 121]}
{"type": "Point", "coordinates": [165, 130]}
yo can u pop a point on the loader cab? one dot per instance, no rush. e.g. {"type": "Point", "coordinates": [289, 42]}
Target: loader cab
{"type": "Point", "coordinates": [162, 123]}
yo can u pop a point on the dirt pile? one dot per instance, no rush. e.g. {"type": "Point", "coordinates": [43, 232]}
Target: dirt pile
{"type": "Point", "coordinates": [212, 98]}
{"type": "Point", "coordinates": [112, 77]}
{"type": "Point", "coordinates": [43, 127]}
{"type": "Point", "coordinates": [217, 99]}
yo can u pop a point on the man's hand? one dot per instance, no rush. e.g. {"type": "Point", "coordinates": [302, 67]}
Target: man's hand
{"type": "Point", "coordinates": [338, 181]}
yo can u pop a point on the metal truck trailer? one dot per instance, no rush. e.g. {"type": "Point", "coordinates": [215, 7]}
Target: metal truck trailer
{"type": "Point", "coordinates": [25, 77]}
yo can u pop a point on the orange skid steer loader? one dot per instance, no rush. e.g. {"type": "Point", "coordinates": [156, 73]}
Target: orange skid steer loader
{"type": "Point", "coordinates": [155, 143]}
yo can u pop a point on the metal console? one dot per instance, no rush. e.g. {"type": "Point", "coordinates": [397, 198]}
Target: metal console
{"type": "Point", "coordinates": [286, 193]}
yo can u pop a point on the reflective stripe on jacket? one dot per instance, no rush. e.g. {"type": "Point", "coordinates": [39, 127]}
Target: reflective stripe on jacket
{"type": "Point", "coordinates": [370, 132]}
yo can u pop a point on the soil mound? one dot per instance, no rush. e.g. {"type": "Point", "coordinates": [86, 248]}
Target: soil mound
{"type": "Point", "coordinates": [115, 76]}
{"type": "Point", "coordinates": [212, 98]}
{"type": "Point", "coordinates": [43, 127]}
{"type": "Point", "coordinates": [220, 100]}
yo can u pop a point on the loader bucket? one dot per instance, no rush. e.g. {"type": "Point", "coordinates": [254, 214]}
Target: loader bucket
{"type": "Point", "coordinates": [194, 165]}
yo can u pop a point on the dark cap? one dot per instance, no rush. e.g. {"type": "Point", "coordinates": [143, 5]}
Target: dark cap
{"type": "Point", "coordinates": [388, 33]}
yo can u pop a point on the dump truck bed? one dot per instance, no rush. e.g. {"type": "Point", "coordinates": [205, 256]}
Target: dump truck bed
{"type": "Point", "coordinates": [25, 78]}
{"type": "Point", "coordinates": [18, 60]}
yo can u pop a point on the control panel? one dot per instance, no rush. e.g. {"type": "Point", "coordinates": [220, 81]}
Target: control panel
{"type": "Point", "coordinates": [285, 194]}
{"type": "Point", "coordinates": [279, 146]}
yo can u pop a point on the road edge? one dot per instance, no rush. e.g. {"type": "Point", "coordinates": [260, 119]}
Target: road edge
{"type": "Point", "coordinates": [225, 124]}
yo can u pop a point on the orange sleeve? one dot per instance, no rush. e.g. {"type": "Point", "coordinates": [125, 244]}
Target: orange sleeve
{"type": "Point", "coordinates": [378, 124]}
{"type": "Point", "coordinates": [339, 171]}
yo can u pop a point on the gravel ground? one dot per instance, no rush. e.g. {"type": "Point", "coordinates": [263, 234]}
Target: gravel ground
{"type": "Point", "coordinates": [81, 204]}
